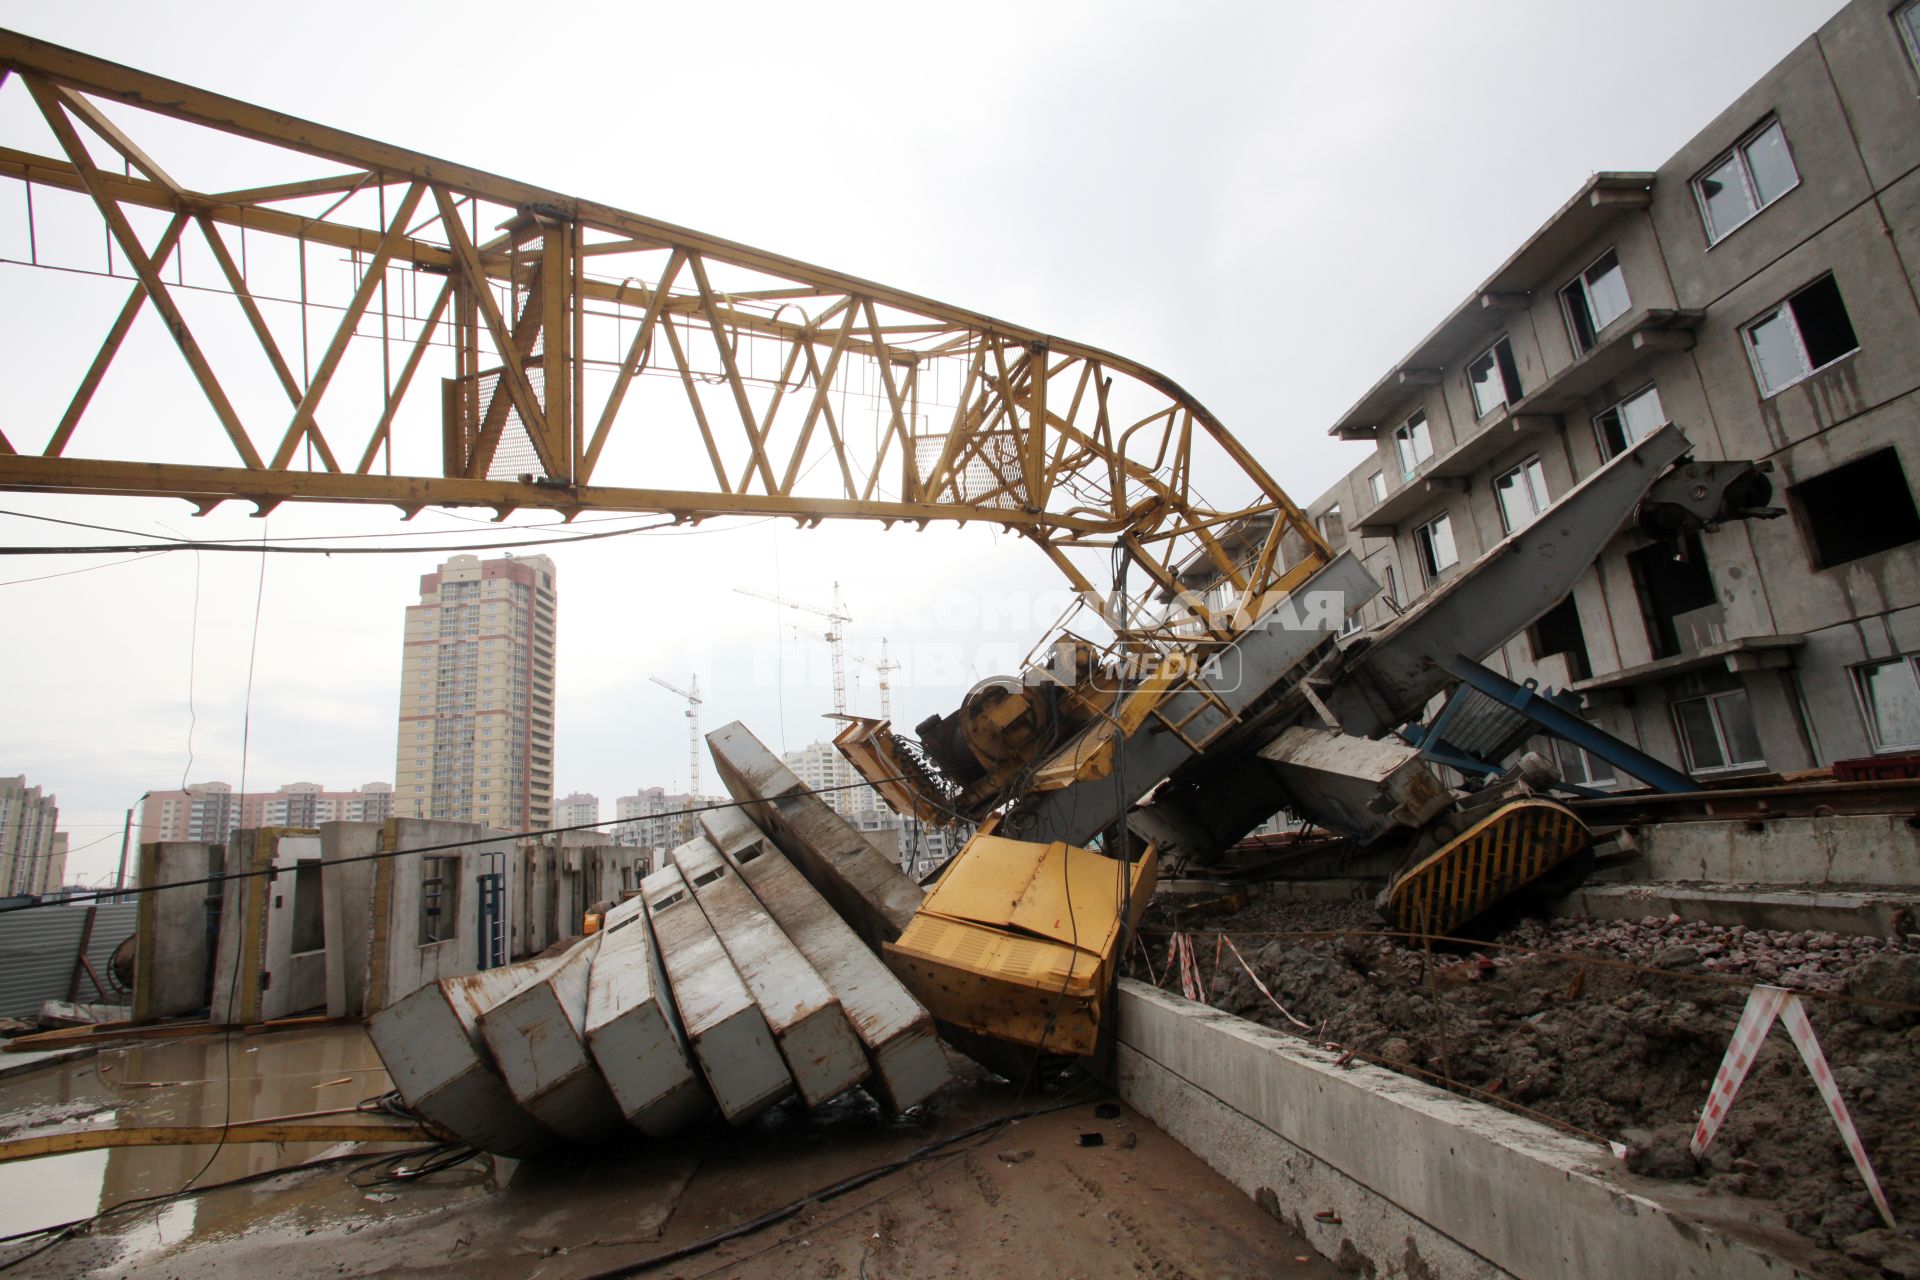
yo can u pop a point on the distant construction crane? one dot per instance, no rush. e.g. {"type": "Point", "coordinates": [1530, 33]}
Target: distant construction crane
{"type": "Point", "coordinates": [693, 729]}
{"type": "Point", "coordinates": [835, 637]}
{"type": "Point", "coordinates": [882, 669]}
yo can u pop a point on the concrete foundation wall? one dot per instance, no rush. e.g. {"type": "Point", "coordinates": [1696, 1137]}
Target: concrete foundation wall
{"type": "Point", "coordinates": [170, 967]}
{"type": "Point", "coordinates": [1387, 1174]}
{"type": "Point", "coordinates": [1846, 849]}
{"type": "Point", "coordinates": [348, 890]}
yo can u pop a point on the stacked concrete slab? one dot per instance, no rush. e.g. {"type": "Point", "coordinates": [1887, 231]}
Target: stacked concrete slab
{"type": "Point", "coordinates": [742, 973]}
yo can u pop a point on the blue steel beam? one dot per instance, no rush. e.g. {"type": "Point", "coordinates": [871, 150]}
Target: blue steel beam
{"type": "Point", "coordinates": [1562, 723]}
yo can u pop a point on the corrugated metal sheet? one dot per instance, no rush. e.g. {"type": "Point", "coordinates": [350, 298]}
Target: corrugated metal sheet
{"type": "Point", "coordinates": [37, 953]}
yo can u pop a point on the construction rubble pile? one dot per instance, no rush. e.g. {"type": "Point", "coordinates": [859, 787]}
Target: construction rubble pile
{"type": "Point", "coordinates": [1614, 1029]}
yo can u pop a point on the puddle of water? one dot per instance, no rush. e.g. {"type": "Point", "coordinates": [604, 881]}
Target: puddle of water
{"type": "Point", "coordinates": [173, 1082]}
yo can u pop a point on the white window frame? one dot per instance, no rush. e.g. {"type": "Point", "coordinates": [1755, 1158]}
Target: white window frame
{"type": "Point", "coordinates": [1509, 392]}
{"type": "Point", "coordinates": [1617, 408]}
{"type": "Point", "coordinates": [1528, 473]}
{"type": "Point", "coordinates": [1784, 308]}
{"type": "Point", "coordinates": [1906, 20]}
{"type": "Point", "coordinates": [1404, 443]}
{"type": "Point", "coordinates": [1428, 554]}
{"type": "Point", "coordinates": [1858, 679]}
{"type": "Point", "coordinates": [1377, 482]}
{"type": "Point", "coordinates": [1738, 151]}
{"type": "Point", "coordinates": [1585, 301]}
{"type": "Point", "coordinates": [1713, 701]}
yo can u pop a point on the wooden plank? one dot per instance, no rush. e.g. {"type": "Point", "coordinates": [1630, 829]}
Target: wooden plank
{"type": "Point", "coordinates": [210, 1135]}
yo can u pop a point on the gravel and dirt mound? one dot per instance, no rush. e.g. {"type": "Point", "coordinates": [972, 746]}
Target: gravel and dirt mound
{"type": "Point", "coordinates": [1618, 1033]}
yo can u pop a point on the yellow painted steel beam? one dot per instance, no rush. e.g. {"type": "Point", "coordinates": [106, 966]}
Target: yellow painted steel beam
{"type": "Point", "coordinates": [198, 484]}
{"type": "Point", "coordinates": [53, 1144]}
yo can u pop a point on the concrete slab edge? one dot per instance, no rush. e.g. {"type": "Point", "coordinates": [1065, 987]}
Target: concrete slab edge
{"type": "Point", "coordinates": [1422, 1182]}
{"type": "Point", "coordinates": [1864, 913]}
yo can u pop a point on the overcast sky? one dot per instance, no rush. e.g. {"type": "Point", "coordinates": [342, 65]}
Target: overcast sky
{"type": "Point", "coordinates": [1269, 203]}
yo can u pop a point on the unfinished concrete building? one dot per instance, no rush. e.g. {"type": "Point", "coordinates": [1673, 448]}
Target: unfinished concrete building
{"type": "Point", "coordinates": [1758, 290]}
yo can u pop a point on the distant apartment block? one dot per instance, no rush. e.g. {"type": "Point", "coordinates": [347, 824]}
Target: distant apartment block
{"type": "Point", "coordinates": [576, 810]}
{"type": "Point", "coordinates": [209, 811]}
{"type": "Point", "coordinates": [1758, 290]}
{"type": "Point", "coordinates": [822, 768]}
{"type": "Point", "coordinates": [33, 855]}
{"type": "Point", "coordinates": [655, 818]}
{"type": "Point", "coordinates": [476, 695]}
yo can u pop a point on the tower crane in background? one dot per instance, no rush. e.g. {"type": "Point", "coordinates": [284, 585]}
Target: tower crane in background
{"type": "Point", "coordinates": [692, 696]}
{"type": "Point", "coordinates": [881, 669]}
{"type": "Point", "coordinates": [835, 637]}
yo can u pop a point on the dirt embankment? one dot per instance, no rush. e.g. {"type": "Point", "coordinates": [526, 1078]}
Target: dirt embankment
{"type": "Point", "coordinates": [1622, 1053]}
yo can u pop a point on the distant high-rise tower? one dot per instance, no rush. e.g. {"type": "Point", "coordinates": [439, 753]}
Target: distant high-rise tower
{"type": "Point", "coordinates": [32, 859]}
{"type": "Point", "coordinates": [476, 695]}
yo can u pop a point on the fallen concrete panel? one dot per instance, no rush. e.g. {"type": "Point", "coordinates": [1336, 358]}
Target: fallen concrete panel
{"type": "Point", "coordinates": [633, 1031]}
{"type": "Point", "coordinates": [430, 1043]}
{"type": "Point", "coordinates": [823, 1055]}
{"type": "Point", "coordinates": [871, 893]}
{"type": "Point", "coordinates": [1864, 913]}
{"type": "Point", "coordinates": [537, 1038]}
{"type": "Point", "coordinates": [897, 1033]}
{"type": "Point", "coordinates": [730, 1038]}
{"type": "Point", "coordinates": [1415, 1179]}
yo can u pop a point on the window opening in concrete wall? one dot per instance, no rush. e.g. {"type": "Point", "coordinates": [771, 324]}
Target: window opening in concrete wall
{"type": "Point", "coordinates": [1434, 541]}
{"type": "Point", "coordinates": [439, 898]}
{"type": "Point", "coordinates": [1890, 700]}
{"type": "Point", "coordinates": [1333, 527]}
{"type": "Point", "coordinates": [1493, 378]}
{"type": "Point", "coordinates": [309, 914]}
{"type": "Point", "coordinates": [1907, 18]}
{"type": "Point", "coordinates": [1594, 300]}
{"type": "Point", "coordinates": [1857, 510]}
{"type": "Point", "coordinates": [1377, 487]}
{"type": "Point", "coordinates": [1743, 181]}
{"type": "Point", "coordinates": [1669, 586]}
{"type": "Point", "coordinates": [1623, 425]}
{"type": "Point", "coordinates": [1579, 768]}
{"type": "Point", "coordinates": [1716, 732]}
{"type": "Point", "coordinates": [1414, 442]}
{"type": "Point", "coordinates": [1800, 337]}
{"type": "Point", "coordinates": [1522, 495]}
{"type": "Point", "coordinates": [1558, 631]}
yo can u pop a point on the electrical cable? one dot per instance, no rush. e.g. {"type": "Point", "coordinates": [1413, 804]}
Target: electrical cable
{"type": "Point", "coordinates": [91, 568]}
{"type": "Point", "coordinates": [233, 980]}
{"type": "Point", "coordinates": [64, 1230]}
{"type": "Point", "coordinates": [840, 1188]}
{"type": "Point", "coordinates": [259, 548]}
{"type": "Point", "coordinates": [497, 838]}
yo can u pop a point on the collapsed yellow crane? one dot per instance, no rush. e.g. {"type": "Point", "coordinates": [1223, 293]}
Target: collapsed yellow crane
{"type": "Point", "coordinates": [489, 343]}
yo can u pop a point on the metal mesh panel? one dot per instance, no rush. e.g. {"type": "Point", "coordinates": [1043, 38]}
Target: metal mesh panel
{"type": "Point", "coordinates": [995, 465]}
{"type": "Point", "coordinates": [515, 455]}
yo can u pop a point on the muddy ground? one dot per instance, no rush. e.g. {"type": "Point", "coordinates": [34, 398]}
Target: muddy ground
{"type": "Point", "coordinates": [1622, 1054]}
{"type": "Point", "coordinates": [1024, 1199]}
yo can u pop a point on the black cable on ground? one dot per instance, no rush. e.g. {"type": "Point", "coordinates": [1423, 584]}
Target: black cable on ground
{"type": "Point", "coordinates": [826, 1193]}
{"type": "Point", "coordinates": [66, 1230]}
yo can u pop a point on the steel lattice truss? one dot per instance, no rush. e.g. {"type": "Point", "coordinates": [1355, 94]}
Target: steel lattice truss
{"type": "Point", "coordinates": [367, 324]}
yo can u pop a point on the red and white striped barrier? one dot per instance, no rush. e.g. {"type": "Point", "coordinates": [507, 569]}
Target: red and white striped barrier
{"type": "Point", "coordinates": [1764, 1004]}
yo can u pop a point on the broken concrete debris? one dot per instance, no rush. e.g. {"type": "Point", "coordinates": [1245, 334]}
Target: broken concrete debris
{"type": "Point", "coordinates": [743, 971]}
